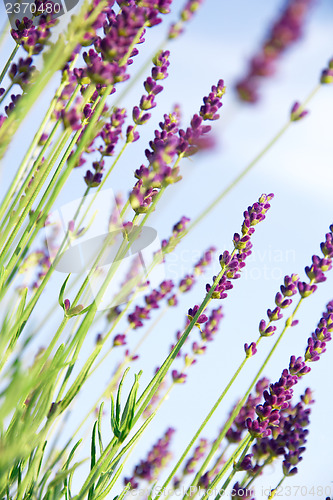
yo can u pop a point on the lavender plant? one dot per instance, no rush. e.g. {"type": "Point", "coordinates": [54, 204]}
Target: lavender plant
{"type": "Point", "coordinates": [86, 278]}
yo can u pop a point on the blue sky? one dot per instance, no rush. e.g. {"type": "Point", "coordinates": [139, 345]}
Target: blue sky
{"type": "Point", "coordinates": [217, 44]}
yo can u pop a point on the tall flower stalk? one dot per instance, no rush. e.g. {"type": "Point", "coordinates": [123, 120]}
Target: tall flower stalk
{"type": "Point", "coordinates": [61, 336]}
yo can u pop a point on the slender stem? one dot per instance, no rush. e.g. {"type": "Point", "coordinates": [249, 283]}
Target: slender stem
{"type": "Point", "coordinates": [3, 97]}
{"type": "Point", "coordinates": [226, 466]}
{"type": "Point", "coordinates": [234, 470]}
{"type": "Point", "coordinates": [242, 401]}
{"type": "Point", "coordinates": [11, 57]}
{"type": "Point", "coordinates": [248, 168]}
{"type": "Point", "coordinates": [40, 179]}
{"type": "Point", "coordinates": [138, 75]}
{"type": "Point", "coordinates": [274, 490]}
{"type": "Point", "coordinates": [200, 429]}
{"type": "Point", "coordinates": [52, 191]}
{"type": "Point", "coordinates": [22, 168]}
{"type": "Point", "coordinates": [4, 32]}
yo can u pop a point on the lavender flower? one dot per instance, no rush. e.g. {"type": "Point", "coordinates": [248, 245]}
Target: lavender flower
{"type": "Point", "coordinates": [297, 112]}
{"type": "Point", "coordinates": [177, 232]}
{"type": "Point", "coordinates": [147, 102]}
{"type": "Point", "coordinates": [327, 74]}
{"type": "Point", "coordinates": [282, 301]}
{"type": "Point", "coordinates": [238, 427]}
{"type": "Point", "coordinates": [33, 38]}
{"type": "Point", "coordinates": [186, 14]}
{"type": "Point", "coordinates": [285, 32]}
{"type": "Point", "coordinates": [234, 263]}
{"type": "Point", "coordinates": [150, 468]}
{"type": "Point", "coordinates": [322, 335]}
{"type": "Point", "coordinates": [316, 272]}
{"type": "Point", "coordinates": [22, 72]}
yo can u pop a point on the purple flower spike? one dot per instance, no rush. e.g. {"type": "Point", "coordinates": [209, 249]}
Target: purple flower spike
{"type": "Point", "coordinates": [199, 452]}
{"type": "Point", "coordinates": [22, 73]}
{"type": "Point", "coordinates": [285, 31]}
{"type": "Point", "coordinates": [157, 458]}
{"type": "Point", "coordinates": [322, 335]}
{"type": "Point", "coordinates": [186, 14]}
{"type": "Point", "coordinates": [72, 118]}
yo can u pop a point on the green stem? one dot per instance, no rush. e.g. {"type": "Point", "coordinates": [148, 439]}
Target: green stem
{"type": "Point", "coordinates": [21, 170]}
{"type": "Point", "coordinates": [4, 32]}
{"type": "Point", "coordinates": [54, 59]}
{"type": "Point", "coordinates": [6, 93]}
{"type": "Point", "coordinates": [11, 57]}
{"type": "Point", "coordinates": [242, 401]}
{"type": "Point", "coordinates": [274, 490]}
{"type": "Point", "coordinates": [248, 168]}
{"type": "Point", "coordinates": [39, 181]}
{"type": "Point", "coordinates": [153, 385]}
{"type": "Point", "coordinates": [200, 429]}
{"type": "Point", "coordinates": [249, 440]}
{"type": "Point", "coordinates": [52, 191]}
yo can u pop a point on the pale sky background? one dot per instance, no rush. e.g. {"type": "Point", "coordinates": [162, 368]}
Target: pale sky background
{"type": "Point", "coordinates": [217, 44]}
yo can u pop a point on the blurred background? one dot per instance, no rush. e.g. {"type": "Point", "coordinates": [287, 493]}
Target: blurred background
{"type": "Point", "coordinates": [218, 43]}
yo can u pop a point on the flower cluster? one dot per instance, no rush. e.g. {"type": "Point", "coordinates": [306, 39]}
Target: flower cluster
{"type": "Point", "coordinates": [107, 63]}
{"type": "Point", "coordinates": [194, 138]}
{"type": "Point", "coordinates": [233, 263]}
{"type": "Point", "coordinates": [156, 460]}
{"type": "Point", "coordinates": [322, 334]}
{"type": "Point", "coordinates": [147, 102]}
{"type": "Point", "coordinates": [22, 72]}
{"type": "Point", "coordinates": [178, 231]}
{"type": "Point", "coordinates": [288, 439]}
{"type": "Point", "coordinates": [282, 301]}
{"type": "Point", "coordinates": [192, 462]}
{"type": "Point", "coordinates": [152, 302]}
{"type": "Point", "coordinates": [159, 173]}
{"type": "Point", "coordinates": [235, 433]}
{"type": "Point", "coordinates": [277, 399]}
{"type": "Point", "coordinates": [169, 142]}
{"type": "Point", "coordinates": [31, 37]}
{"type": "Point", "coordinates": [285, 32]}
{"type": "Point", "coordinates": [186, 14]}
{"type": "Point", "coordinates": [110, 135]}
{"type": "Point", "coordinates": [320, 265]}
{"type": "Point", "coordinates": [327, 74]}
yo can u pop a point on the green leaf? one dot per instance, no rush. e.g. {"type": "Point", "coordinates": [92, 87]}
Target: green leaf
{"type": "Point", "coordinates": [63, 474]}
{"type": "Point", "coordinates": [118, 403]}
{"type": "Point", "coordinates": [128, 413]}
{"type": "Point", "coordinates": [67, 481]}
{"type": "Point", "coordinates": [100, 414]}
{"type": "Point", "coordinates": [114, 424]}
{"type": "Point", "coordinates": [93, 459]}
{"type": "Point", "coordinates": [62, 292]}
